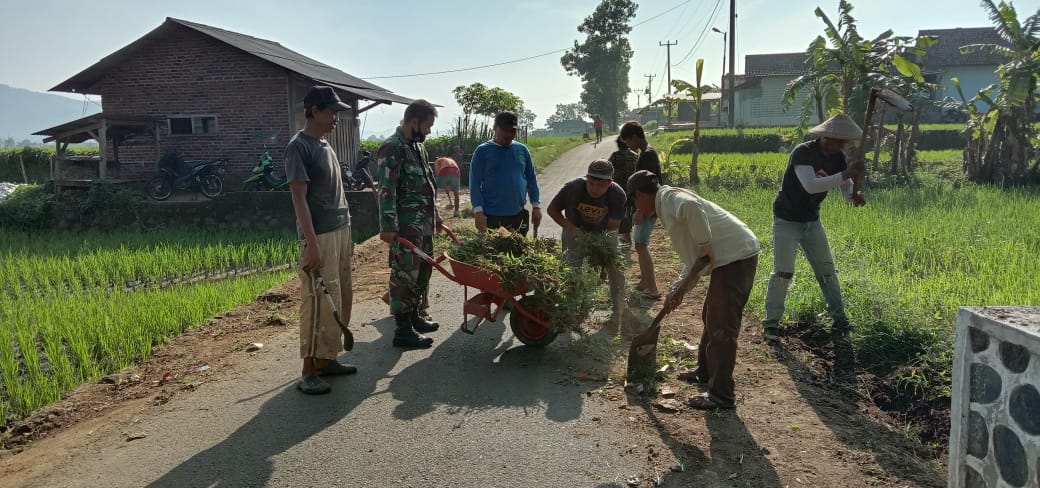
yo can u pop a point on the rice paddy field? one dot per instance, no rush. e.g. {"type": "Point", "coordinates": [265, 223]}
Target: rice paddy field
{"type": "Point", "coordinates": [76, 307]}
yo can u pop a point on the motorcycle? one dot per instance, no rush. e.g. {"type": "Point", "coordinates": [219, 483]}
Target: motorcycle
{"type": "Point", "coordinates": [205, 175]}
{"type": "Point", "coordinates": [360, 178]}
{"type": "Point", "coordinates": [265, 177]}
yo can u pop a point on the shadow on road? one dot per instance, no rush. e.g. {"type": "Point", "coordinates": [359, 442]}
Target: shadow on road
{"type": "Point", "coordinates": [245, 458]}
{"type": "Point", "coordinates": [835, 405]}
{"type": "Point", "coordinates": [487, 373]}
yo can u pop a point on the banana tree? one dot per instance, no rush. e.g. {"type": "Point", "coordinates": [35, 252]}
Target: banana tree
{"type": "Point", "coordinates": [696, 93]}
{"type": "Point", "coordinates": [1009, 157]}
{"type": "Point", "coordinates": [820, 82]}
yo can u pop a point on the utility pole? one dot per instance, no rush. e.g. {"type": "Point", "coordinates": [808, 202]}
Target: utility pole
{"type": "Point", "coordinates": [732, 60]}
{"type": "Point", "coordinates": [722, 82]}
{"type": "Point", "coordinates": [668, 46]}
{"type": "Point", "coordinates": [649, 90]}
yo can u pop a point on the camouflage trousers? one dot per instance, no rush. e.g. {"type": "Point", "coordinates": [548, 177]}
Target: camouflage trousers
{"type": "Point", "coordinates": [409, 274]}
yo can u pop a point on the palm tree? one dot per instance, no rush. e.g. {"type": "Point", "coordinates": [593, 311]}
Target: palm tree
{"type": "Point", "coordinates": [1009, 156]}
{"type": "Point", "coordinates": [696, 92]}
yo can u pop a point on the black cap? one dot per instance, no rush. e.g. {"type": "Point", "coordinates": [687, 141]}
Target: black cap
{"type": "Point", "coordinates": [506, 120]}
{"type": "Point", "coordinates": [325, 96]}
{"type": "Point", "coordinates": [639, 181]}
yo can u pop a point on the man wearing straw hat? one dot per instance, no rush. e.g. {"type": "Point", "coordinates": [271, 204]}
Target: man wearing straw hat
{"type": "Point", "coordinates": [813, 168]}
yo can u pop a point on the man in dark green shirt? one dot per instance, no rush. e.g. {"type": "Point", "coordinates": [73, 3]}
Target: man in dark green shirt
{"type": "Point", "coordinates": [323, 224]}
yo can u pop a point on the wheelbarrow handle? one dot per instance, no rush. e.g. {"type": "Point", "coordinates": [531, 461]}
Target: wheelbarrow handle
{"type": "Point", "coordinates": [450, 233]}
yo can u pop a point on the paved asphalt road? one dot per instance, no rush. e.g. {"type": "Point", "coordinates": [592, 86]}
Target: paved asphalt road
{"type": "Point", "coordinates": [473, 411]}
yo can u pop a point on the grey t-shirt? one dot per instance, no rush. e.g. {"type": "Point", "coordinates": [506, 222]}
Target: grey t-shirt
{"type": "Point", "coordinates": [313, 161]}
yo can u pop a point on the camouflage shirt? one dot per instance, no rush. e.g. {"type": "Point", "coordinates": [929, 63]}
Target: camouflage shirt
{"type": "Point", "coordinates": [406, 188]}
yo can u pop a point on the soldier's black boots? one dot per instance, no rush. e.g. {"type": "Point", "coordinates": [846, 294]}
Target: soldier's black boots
{"type": "Point", "coordinates": [421, 325]}
{"type": "Point", "coordinates": [405, 335]}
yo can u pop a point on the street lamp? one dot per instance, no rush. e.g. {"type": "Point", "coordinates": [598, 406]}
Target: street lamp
{"type": "Point", "coordinates": [722, 83]}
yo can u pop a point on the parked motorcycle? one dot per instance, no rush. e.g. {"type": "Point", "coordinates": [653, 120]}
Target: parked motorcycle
{"type": "Point", "coordinates": [265, 177]}
{"type": "Point", "coordinates": [205, 175]}
{"type": "Point", "coordinates": [360, 178]}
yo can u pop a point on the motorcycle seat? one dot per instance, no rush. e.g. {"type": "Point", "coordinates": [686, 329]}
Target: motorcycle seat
{"type": "Point", "coordinates": [200, 162]}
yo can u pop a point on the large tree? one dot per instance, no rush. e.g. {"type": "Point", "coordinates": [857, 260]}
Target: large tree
{"type": "Point", "coordinates": [479, 99]}
{"type": "Point", "coordinates": [1009, 156]}
{"type": "Point", "coordinates": [566, 112]}
{"type": "Point", "coordinates": [603, 60]}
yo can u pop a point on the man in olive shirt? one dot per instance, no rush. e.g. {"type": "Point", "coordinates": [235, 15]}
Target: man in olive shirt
{"type": "Point", "coordinates": [323, 224]}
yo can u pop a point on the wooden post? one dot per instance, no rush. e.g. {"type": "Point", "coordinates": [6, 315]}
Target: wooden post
{"type": "Point", "coordinates": [54, 160]}
{"type": "Point", "coordinates": [21, 163]}
{"type": "Point", "coordinates": [103, 144]}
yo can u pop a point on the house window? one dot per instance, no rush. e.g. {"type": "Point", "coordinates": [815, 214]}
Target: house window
{"type": "Point", "coordinates": [193, 125]}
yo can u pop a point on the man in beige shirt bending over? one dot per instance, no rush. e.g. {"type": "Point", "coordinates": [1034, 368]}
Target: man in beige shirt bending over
{"type": "Point", "coordinates": [698, 228]}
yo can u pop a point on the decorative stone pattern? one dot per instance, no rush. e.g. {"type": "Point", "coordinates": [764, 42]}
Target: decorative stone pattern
{"type": "Point", "coordinates": [995, 431]}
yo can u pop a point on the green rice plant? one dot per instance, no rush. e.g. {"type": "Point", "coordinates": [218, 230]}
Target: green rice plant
{"type": "Point", "coordinates": [60, 265]}
{"type": "Point", "coordinates": [49, 344]}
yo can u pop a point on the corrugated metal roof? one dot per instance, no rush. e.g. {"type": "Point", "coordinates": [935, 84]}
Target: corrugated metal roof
{"type": "Point", "coordinates": [269, 51]}
{"type": "Point", "coordinates": [774, 64]}
{"type": "Point", "coordinates": [78, 130]}
{"type": "Point", "coordinates": [947, 52]}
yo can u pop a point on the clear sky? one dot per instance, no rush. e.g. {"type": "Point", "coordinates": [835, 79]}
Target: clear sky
{"type": "Point", "coordinates": [44, 42]}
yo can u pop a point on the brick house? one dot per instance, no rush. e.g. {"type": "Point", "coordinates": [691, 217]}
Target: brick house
{"type": "Point", "coordinates": [205, 92]}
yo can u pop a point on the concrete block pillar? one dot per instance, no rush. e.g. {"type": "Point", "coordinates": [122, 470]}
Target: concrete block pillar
{"type": "Point", "coordinates": [995, 415]}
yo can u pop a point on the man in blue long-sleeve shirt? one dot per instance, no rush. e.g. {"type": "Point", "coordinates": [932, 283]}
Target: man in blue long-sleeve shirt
{"type": "Point", "coordinates": [502, 179]}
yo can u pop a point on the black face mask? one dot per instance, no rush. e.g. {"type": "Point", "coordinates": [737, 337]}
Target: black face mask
{"type": "Point", "coordinates": [417, 135]}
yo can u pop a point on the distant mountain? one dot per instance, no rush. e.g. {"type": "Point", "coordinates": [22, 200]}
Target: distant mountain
{"type": "Point", "coordinates": [23, 112]}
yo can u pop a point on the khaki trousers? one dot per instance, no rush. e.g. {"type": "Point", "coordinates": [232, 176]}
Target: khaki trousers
{"type": "Point", "coordinates": [320, 336]}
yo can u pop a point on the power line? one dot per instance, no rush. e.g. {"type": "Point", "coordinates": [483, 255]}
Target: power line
{"type": "Point", "coordinates": [466, 69]}
{"type": "Point", "coordinates": [528, 58]}
{"type": "Point", "coordinates": [704, 32]}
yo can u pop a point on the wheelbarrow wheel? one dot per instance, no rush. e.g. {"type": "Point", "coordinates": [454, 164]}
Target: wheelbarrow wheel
{"type": "Point", "coordinates": [528, 331]}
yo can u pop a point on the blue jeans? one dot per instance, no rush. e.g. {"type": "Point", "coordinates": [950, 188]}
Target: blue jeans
{"type": "Point", "coordinates": [641, 232]}
{"type": "Point", "coordinates": [787, 238]}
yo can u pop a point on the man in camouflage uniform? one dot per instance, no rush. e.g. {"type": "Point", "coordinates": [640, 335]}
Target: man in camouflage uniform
{"type": "Point", "coordinates": [407, 209]}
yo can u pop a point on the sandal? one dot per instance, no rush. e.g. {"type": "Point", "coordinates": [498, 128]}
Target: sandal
{"type": "Point", "coordinates": [704, 402]}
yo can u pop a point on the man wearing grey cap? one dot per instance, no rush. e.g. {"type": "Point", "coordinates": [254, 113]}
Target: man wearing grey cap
{"type": "Point", "coordinates": [323, 224]}
{"type": "Point", "coordinates": [593, 203]}
{"type": "Point", "coordinates": [502, 179]}
{"type": "Point", "coordinates": [699, 227]}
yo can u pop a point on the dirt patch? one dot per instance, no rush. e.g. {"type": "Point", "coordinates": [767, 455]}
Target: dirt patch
{"type": "Point", "coordinates": [795, 424]}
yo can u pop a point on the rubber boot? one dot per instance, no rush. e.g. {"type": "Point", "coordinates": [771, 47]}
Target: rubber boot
{"type": "Point", "coordinates": [405, 335]}
{"type": "Point", "coordinates": [421, 325]}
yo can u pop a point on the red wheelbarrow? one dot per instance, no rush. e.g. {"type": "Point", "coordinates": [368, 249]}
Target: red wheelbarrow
{"type": "Point", "coordinates": [529, 323]}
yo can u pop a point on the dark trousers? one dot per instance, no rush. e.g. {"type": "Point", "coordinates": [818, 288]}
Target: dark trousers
{"type": "Point", "coordinates": [723, 308]}
{"type": "Point", "coordinates": [516, 223]}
